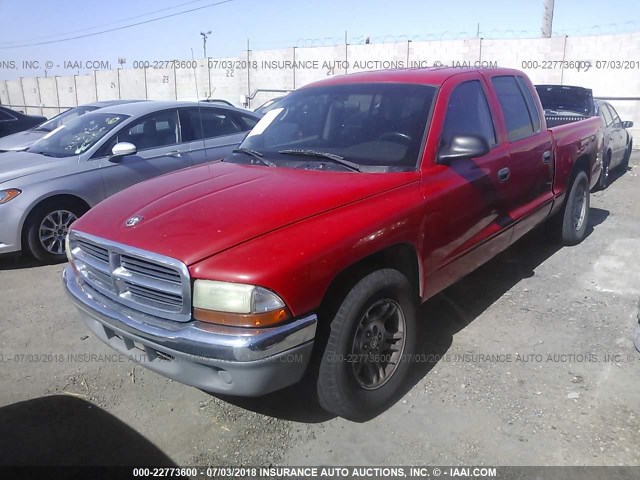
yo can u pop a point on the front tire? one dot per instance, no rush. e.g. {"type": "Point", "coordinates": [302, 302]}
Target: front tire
{"type": "Point", "coordinates": [575, 215]}
{"type": "Point", "coordinates": [47, 228]}
{"type": "Point", "coordinates": [365, 361]}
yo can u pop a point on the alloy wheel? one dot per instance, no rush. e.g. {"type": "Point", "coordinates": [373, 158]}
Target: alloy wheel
{"type": "Point", "coordinates": [53, 230]}
{"type": "Point", "coordinates": [378, 344]}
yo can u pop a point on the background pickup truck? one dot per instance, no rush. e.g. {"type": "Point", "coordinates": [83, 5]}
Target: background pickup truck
{"type": "Point", "coordinates": [354, 200]}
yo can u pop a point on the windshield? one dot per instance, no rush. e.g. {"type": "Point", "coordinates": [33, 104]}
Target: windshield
{"type": "Point", "coordinates": [77, 136]}
{"type": "Point", "coordinates": [571, 99]}
{"type": "Point", "coordinates": [64, 118]}
{"type": "Point", "coordinates": [369, 124]}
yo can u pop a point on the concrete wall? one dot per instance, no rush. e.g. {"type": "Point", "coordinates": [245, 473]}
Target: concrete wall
{"type": "Point", "coordinates": [546, 60]}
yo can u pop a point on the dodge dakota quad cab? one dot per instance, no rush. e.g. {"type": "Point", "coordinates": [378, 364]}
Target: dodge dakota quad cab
{"type": "Point", "coordinates": [354, 200]}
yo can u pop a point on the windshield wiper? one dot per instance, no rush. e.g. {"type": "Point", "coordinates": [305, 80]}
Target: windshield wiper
{"type": "Point", "coordinates": [255, 154]}
{"type": "Point", "coordinates": [329, 156]}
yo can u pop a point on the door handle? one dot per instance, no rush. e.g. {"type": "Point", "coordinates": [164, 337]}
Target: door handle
{"type": "Point", "coordinates": [546, 157]}
{"type": "Point", "coordinates": [503, 174]}
{"type": "Point", "coordinates": [175, 153]}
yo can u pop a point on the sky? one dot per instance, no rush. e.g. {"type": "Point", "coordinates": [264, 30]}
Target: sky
{"type": "Point", "coordinates": [267, 25]}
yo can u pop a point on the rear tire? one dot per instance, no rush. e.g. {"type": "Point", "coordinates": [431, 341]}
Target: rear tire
{"type": "Point", "coordinates": [47, 227]}
{"type": "Point", "coordinates": [575, 213]}
{"type": "Point", "coordinates": [365, 361]}
{"type": "Point", "coordinates": [624, 165]}
{"type": "Point", "coordinates": [603, 181]}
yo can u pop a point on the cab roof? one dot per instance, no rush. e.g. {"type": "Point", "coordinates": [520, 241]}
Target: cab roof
{"type": "Point", "coordinates": [424, 76]}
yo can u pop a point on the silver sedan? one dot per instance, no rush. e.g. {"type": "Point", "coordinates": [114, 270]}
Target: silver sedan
{"type": "Point", "coordinates": [45, 188]}
{"type": "Point", "coordinates": [23, 140]}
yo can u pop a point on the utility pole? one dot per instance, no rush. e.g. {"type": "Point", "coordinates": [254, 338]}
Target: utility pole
{"type": "Point", "coordinates": [205, 35]}
{"type": "Point", "coordinates": [547, 18]}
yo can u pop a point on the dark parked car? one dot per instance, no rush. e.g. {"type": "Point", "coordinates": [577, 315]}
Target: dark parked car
{"type": "Point", "coordinates": [617, 141]}
{"type": "Point", "coordinates": [220, 101]}
{"type": "Point", "coordinates": [22, 140]}
{"type": "Point", "coordinates": [12, 121]}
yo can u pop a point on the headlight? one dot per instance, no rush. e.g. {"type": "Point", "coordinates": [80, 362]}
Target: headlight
{"type": "Point", "coordinates": [8, 195]}
{"type": "Point", "coordinates": [237, 304]}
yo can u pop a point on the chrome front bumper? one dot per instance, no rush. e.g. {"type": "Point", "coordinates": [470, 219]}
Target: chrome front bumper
{"type": "Point", "coordinates": [215, 358]}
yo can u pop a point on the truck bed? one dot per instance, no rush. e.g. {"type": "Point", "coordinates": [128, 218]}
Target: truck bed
{"type": "Point", "coordinates": [573, 141]}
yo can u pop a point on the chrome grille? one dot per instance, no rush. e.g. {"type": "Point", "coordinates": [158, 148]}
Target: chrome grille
{"type": "Point", "coordinates": [143, 280]}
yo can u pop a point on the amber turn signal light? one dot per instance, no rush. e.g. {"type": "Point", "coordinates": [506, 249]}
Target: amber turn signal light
{"type": "Point", "coordinates": [253, 320]}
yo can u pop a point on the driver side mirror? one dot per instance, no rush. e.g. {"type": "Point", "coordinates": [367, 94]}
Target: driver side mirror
{"type": "Point", "coordinates": [121, 150]}
{"type": "Point", "coordinates": [627, 124]}
{"type": "Point", "coordinates": [462, 147]}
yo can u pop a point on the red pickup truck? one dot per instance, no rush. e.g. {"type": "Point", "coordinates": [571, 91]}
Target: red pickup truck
{"type": "Point", "coordinates": [356, 199]}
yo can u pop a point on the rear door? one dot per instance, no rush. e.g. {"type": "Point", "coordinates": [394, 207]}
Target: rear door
{"type": "Point", "coordinates": [159, 150]}
{"type": "Point", "coordinates": [212, 133]}
{"type": "Point", "coordinates": [617, 136]}
{"type": "Point", "coordinates": [466, 216]}
{"type": "Point", "coordinates": [531, 166]}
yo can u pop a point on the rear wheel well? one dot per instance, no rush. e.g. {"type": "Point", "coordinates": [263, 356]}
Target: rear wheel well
{"type": "Point", "coordinates": [583, 164]}
{"type": "Point", "coordinates": [53, 200]}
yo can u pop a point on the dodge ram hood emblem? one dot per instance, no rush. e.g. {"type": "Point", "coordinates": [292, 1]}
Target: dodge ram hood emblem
{"type": "Point", "coordinates": [133, 221]}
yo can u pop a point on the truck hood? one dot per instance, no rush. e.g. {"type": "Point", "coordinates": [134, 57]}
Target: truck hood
{"type": "Point", "coordinates": [14, 165]}
{"type": "Point", "coordinates": [198, 212]}
{"type": "Point", "coordinates": [20, 141]}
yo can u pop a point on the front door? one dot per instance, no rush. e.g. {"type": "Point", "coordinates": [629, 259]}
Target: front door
{"type": "Point", "coordinates": [465, 212]}
{"type": "Point", "coordinates": [159, 150]}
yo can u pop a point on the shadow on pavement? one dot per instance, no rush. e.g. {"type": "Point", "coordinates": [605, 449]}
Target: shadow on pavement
{"type": "Point", "coordinates": [64, 430]}
{"type": "Point", "coordinates": [297, 403]}
{"type": "Point", "coordinates": [616, 174]}
{"type": "Point", "coordinates": [16, 261]}
{"type": "Point", "coordinates": [444, 315]}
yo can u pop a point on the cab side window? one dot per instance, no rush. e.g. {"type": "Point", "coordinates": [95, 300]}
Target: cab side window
{"type": "Point", "coordinates": [531, 104]}
{"type": "Point", "coordinates": [468, 114]}
{"type": "Point", "coordinates": [514, 107]}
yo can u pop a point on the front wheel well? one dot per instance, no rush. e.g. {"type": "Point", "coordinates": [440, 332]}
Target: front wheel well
{"type": "Point", "coordinates": [402, 257]}
{"type": "Point", "coordinates": [82, 205]}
